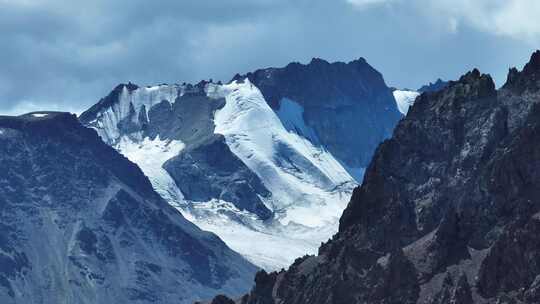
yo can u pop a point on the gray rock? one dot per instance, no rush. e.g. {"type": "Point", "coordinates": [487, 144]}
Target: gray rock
{"type": "Point", "coordinates": [82, 224]}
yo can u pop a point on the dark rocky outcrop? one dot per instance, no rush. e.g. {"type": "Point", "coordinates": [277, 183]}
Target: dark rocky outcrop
{"type": "Point", "coordinates": [348, 105]}
{"type": "Point", "coordinates": [82, 224]}
{"type": "Point", "coordinates": [449, 209]}
{"type": "Point", "coordinates": [438, 85]}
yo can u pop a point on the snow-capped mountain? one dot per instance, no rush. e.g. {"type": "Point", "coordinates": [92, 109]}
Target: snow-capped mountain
{"type": "Point", "coordinates": [82, 224]}
{"type": "Point", "coordinates": [270, 180]}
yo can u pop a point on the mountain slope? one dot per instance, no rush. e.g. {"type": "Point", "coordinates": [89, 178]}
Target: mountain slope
{"type": "Point", "coordinates": [82, 224]}
{"type": "Point", "coordinates": [447, 212]}
{"type": "Point", "coordinates": [238, 167]}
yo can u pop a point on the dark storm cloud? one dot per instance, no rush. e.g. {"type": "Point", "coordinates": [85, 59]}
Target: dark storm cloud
{"type": "Point", "coordinates": [68, 54]}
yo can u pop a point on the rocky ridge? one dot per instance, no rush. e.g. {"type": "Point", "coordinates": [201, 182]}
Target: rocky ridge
{"type": "Point", "coordinates": [448, 211]}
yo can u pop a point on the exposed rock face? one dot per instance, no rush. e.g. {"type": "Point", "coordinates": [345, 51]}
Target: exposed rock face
{"type": "Point", "coordinates": [348, 105]}
{"type": "Point", "coordinates": [434, 86]}
{"type": "Point", "coordinates": [210, 170]}
{"type": "Point", "coordinates": [82, 224]}
{"type": "Point", "coordinates": [449, 209]}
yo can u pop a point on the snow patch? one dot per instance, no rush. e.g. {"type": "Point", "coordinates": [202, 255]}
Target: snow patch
{"type": "Point", "coordinates": [150, 155]}
{"type": "Point", "coordinates": [405, 99]}
{"type": "Point", "coordinates": [40, 115]}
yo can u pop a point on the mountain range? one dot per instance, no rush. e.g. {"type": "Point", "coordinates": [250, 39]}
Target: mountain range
{"type": "Point", "coordinates": [341, 189]}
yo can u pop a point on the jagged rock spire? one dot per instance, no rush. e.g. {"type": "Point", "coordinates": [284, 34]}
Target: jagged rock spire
{"type": "Point", "coordinates": [527, 79]}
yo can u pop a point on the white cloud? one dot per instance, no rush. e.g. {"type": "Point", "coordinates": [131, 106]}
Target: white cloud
{"type": "Point", "coordinates": [511, 18]}
{"type": "Point", "coordinates": [365, 3]}
{"type": "Point", "coordinates": [453, 25]}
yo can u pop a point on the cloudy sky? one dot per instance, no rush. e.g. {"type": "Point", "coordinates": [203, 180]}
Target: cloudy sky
{"type": "Point", "coordinates": [67, 54]}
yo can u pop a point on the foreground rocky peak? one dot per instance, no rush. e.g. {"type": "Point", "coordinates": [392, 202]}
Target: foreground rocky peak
{"type": "Point", "coordinates": [82, 224]}
{"type": "Point", "coordinates": [447, 212]}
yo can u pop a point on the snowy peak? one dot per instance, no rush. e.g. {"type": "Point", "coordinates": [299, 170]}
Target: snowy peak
{"type": "Point", "coordinates": [125, 109]}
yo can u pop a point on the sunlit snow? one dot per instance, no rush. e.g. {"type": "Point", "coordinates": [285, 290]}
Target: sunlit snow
{"type": "Point", "coordinates": [405, 99]}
